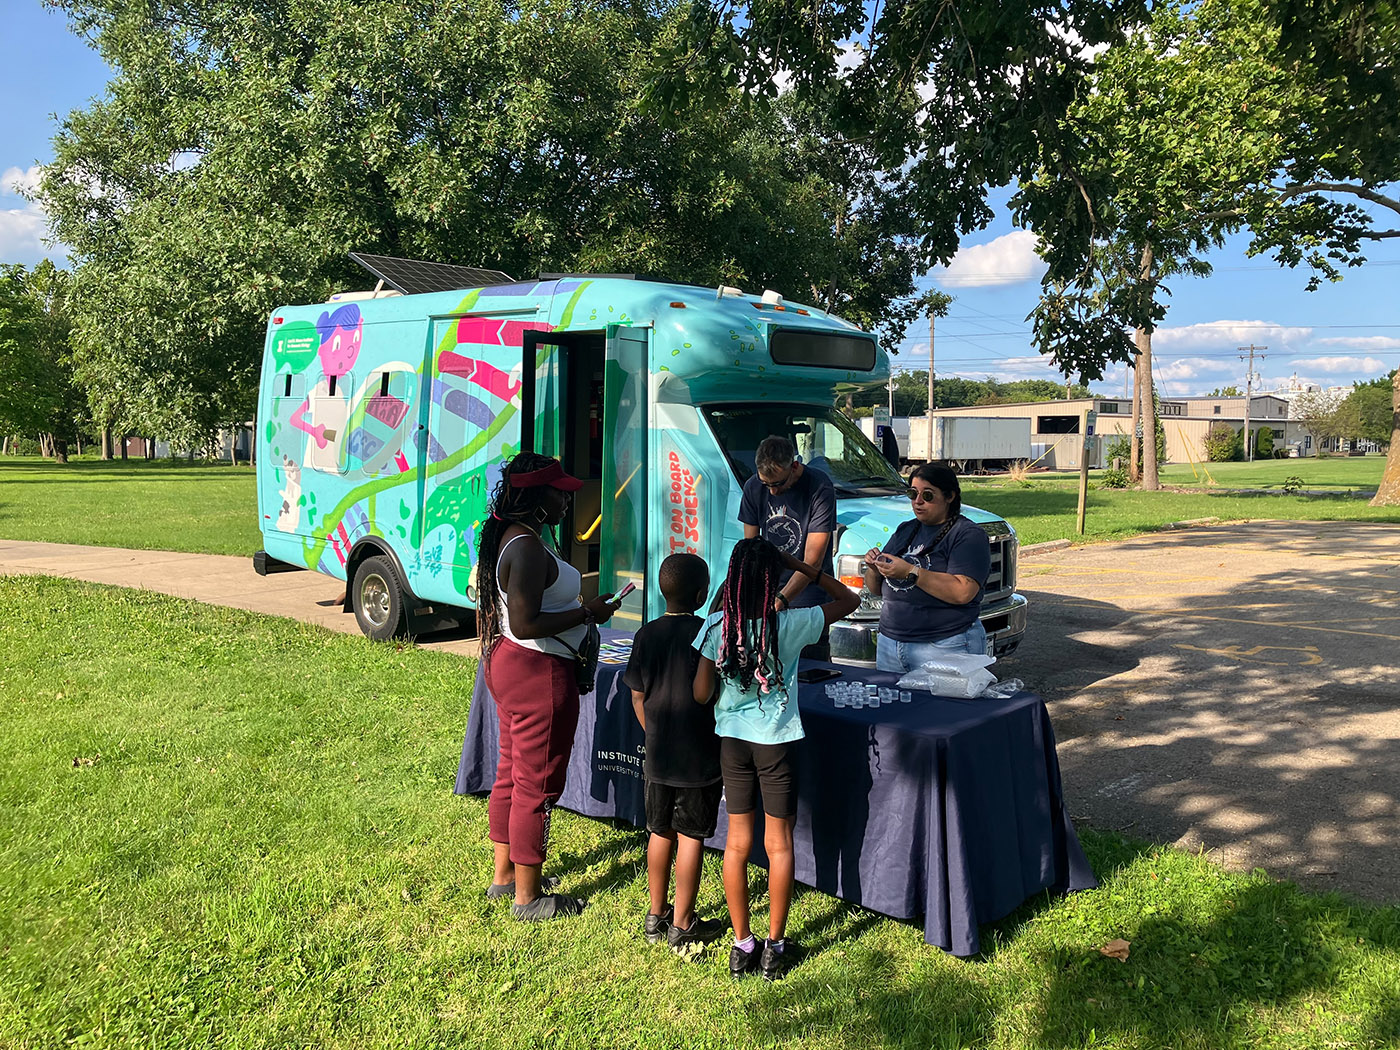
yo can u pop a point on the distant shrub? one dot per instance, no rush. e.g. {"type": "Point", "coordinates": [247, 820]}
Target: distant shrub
{"type": "Point", "coordinates": [1292, 484]}
{"type": "Point", "coordinates": [1223, 443]}
{"type": "Point", "coordinates": [1114, 478]}
{"type": "Point", "coordinates": [1264, 443]}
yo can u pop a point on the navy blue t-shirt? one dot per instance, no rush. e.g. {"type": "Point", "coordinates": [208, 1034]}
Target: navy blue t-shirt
{"type": "Point", "coordinates": [785, 520]}
{"type": "Point", "coordinates": [912, 615]}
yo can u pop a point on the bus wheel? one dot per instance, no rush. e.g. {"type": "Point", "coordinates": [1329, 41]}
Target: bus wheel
{"type": "Point", "coordinates": [377, 597]}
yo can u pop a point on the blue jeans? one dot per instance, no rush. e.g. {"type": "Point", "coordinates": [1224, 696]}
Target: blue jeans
{"type": "Point", "coordinates": [891, 655]}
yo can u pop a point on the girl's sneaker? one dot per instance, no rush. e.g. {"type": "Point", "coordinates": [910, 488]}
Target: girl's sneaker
{"type": "Point", "coordinates": [774, 963]}
{"type": "Point", "coordinates": [742, 963]}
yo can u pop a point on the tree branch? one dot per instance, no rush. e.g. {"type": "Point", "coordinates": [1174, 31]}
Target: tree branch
{"type": "Point", "coordinates": [1340, 187]}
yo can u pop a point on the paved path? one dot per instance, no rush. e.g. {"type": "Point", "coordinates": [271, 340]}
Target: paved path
{"type": "Point", "coordinates": [212, 578]}
{"type": "Point", "coordinates": [1231, 688]}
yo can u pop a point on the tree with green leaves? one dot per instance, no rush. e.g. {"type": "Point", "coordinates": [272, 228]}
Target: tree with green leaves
{"type": "Point", "coordinates": [243, 149]}
{"type": "Point", "coordinates": [38, 396]}
{"type": "Point", "coordinates": [1370, 409]}
{"type": "Point", "coordinates": [1228, 391]}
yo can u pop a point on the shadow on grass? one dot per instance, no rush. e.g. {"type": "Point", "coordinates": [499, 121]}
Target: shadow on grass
{"type": "Point", "coordinates": [1205, 982]}
{"type": "Point", "coordinates": [1204, 979]}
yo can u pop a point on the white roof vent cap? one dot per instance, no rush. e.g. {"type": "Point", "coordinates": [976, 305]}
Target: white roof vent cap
{"type": "Point", "coordinates": [771, 298]}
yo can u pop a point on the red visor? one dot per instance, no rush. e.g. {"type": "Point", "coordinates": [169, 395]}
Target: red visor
{"type": "Point", "coordinates": [553, 475]}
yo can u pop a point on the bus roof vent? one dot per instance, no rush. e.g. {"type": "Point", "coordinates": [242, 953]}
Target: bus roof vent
{"type": "Point", "coordinates": [412, 276]}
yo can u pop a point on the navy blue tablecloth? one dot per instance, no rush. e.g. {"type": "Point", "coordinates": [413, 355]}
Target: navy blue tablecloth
{"type": "Point", "coordinates": [947, 809]}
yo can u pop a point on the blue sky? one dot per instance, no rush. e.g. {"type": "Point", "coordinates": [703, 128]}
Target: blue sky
{"type": "Point", "coordinates": [1332, 337]}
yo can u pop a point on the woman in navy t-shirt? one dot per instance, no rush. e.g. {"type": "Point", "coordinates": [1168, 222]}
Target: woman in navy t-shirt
{"type": "Point", "coordinates": [930, 575]}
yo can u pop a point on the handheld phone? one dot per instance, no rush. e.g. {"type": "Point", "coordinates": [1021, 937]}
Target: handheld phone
{"type": "Point", "coordinates": [617, 598]}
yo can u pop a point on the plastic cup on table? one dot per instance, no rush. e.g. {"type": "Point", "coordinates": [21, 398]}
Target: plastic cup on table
{"type": "Point", "coordinates": [905, 696]}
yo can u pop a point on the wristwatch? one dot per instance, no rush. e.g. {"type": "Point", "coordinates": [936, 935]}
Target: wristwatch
{"type": "Point", "coordinates": [784, 599]}
{"type": "Point", "coordinates": [913, 577]}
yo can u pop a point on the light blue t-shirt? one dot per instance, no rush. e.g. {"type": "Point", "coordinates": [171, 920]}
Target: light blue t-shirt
{"type": "Point", "coordinates": [763, 718]}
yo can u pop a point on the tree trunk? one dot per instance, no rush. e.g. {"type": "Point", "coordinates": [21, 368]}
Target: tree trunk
{"type": "Point", "coordinates": [123, 448]}
{"type": "Point", "coordinates": [1149, 420]}
{"type": "Point", "coordinates": [60, 449]}
{"type": "Point", "coordinates": [1135, 455]}
{"type": "Point", "coordinates": [106, 442]}
{"type": "Point", "coordinates": [1388, 495]}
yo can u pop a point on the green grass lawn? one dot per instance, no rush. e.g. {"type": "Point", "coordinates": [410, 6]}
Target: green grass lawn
{"type": "Point", "coordinates": [218, 829]}
{"type": "Point", "coordinates": [1044, 507]}
{"type": "Point", "coordinates": [212, 509]}
{"type": "Point", "coordinates": [1340, 473]}
{"type": "Point", "coordinates": [157, 505]}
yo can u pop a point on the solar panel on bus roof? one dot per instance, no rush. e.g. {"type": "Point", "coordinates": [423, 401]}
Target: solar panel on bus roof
{"type": "Point", "coordinates": [412, 276]}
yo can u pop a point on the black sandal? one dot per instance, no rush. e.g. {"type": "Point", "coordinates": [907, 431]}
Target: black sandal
{"type": "Point", "coordinates": [548, 906]}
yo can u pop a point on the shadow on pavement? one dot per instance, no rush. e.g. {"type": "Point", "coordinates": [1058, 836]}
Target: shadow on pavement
{"type": "Point", "coordinates": [1239, 700]}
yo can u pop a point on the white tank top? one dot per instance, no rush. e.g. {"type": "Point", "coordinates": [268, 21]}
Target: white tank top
{"type": "Point", "coordinates": [563, 594]}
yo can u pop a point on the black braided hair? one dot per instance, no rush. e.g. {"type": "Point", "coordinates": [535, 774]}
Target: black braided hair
{"type": "Point", "coordinates": [508, 506]}
{"type": "Point", "coordinates": [748, 646]}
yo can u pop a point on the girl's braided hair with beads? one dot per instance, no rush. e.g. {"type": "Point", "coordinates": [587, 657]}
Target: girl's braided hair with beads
{"type": "Point", "coordinates": [748, 646]}
{"type": "Point", "coordinates": [508, 506]}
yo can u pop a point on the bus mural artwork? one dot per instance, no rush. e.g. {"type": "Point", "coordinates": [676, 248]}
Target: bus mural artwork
{"type": "Point", "coordinates": [384, 419]}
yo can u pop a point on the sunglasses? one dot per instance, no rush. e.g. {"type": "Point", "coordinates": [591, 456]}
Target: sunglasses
{"type": "Point", "coordinates": [922, 495]}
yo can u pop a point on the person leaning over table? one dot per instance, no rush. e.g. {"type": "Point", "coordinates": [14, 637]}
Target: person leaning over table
{"type": "Point", "coordinates": [930, 575]}
{"type": "Point", "coordinates": [793, 507]}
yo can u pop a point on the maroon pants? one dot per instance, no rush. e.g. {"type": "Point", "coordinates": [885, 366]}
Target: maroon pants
{"type": "Point", "coordinates": [537, 703]}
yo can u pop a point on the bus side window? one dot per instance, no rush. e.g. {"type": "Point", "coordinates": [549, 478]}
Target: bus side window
{"type": "Point", "coordinates": [329, 416]}
{"type": "Point", "coordinates": [379, 425]}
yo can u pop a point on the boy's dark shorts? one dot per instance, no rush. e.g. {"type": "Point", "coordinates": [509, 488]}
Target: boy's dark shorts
{"type": "Point", "coordinates": [689, 811]}
{"type": "Point", "coordinates": [753, 771]}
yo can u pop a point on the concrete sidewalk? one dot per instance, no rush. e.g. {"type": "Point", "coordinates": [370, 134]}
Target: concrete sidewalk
{"type": "Point", "coordinates": [212, 578]}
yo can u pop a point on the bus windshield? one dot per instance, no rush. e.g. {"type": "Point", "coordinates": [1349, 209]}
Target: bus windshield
{"type": "Point", "coordinates": [823, 437]}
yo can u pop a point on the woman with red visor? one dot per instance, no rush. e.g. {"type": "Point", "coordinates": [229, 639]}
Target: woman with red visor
{"type": "Point", "coordinates": [530, 616]}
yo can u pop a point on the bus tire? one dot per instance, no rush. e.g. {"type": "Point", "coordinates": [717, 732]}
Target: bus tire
{"type": "Point", "coordinates": [377, 597]}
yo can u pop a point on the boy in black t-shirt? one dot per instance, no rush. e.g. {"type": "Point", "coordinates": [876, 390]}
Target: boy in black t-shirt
{"type": "Point", "coordinates": [683, 784]}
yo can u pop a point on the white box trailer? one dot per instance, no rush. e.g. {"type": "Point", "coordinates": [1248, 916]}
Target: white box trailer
{"type": "Point", "coordinates": [969, 443]}
{"type": "Point", "coordinates": [900, 426]}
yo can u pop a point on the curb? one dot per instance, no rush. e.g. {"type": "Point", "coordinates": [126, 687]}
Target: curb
{"type": "Point", "coordinates": [1044, 548]}
{"type": "Point", "coordinates": [1190, 522]}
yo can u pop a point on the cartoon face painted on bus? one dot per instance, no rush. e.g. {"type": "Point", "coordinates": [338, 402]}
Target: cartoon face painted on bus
{"type": "Point", "coordinates": [324, 413]}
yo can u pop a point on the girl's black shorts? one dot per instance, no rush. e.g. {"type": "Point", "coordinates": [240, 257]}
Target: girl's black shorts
{"type": "Point", "coordinates": [758, 771]}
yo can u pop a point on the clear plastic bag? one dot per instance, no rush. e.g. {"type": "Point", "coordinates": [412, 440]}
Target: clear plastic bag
{"type": "Point", "coordinates": [1002, 690]}
{"type": "Point", "coordinates": [934, 677]}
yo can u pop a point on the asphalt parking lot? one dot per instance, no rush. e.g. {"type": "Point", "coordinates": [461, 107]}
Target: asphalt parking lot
{"type": "Point", "coordinates": [1232, 689]}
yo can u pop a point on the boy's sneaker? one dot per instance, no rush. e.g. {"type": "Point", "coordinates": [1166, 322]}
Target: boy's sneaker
{"type": "Point", "coordinates": [742, 962]}
{"type": "Point", "coordinates": [702, 931]}
{"type": "Point", "coordinates": [774, 963]}
{"type": "Point", "coordinates": [656, 927]}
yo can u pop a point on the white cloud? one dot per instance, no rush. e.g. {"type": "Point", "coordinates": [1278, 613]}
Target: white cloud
{"type": "Point", "coordinates": [1216, 335]}
{"type": "Point", "coordinates": [1333, 365]}
{"type": "Point", "coordinates": [24, 227]}
{"type": "Point", "coordinates": [20, 180]}
{"type": "Point", "coordinates": [1189, 368]}
{"type": "Point", "coordinates": [1362, 342]}
{"type": "Point", "coordinates": [1009, 259]}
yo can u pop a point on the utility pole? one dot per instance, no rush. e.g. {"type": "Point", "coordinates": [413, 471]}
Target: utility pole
{"type": "Point", "coordinates": [930, 375]}
{"type": "Point", "coordinates": [1253, 351]}
{"type": "Point", "coordinates": [891, 389]}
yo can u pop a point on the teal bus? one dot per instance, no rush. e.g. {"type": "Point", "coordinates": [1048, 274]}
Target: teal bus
{"type": "Point", "coordinates": [384, 417]}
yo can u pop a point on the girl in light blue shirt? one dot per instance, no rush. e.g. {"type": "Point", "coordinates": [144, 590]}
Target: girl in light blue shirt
{"type": "Point", "coordinates": [751, 649]}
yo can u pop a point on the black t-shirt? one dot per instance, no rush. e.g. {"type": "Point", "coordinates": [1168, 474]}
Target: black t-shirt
{"type": "Point", "coordinates": [913, 615]}
{"type": "Point", "coordinates": [786, 519]}
{"type": "Point", "coordinates": [682, 748]}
